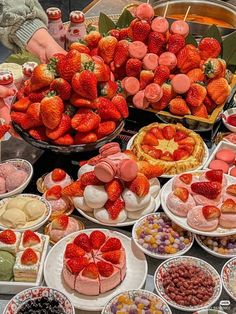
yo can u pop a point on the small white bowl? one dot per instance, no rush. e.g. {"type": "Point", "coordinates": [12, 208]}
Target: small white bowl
{"type": "Point", "coordinates": [227, 276]}
{"type": "Point", "coordinates": [24, 165]}
{"type": "Point", "coordinates": [225, 115]}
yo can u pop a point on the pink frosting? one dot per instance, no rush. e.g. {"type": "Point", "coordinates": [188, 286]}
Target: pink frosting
{"type": "Point", "coordinates": [177, 183]}
{"type": "Point", "coordinates": [2, 185]}
{"type": "Point", "coordinates": [15, 179]}
{"type": "Point", "coordinates": [56, 234]}
{"type": "Point", "coordinates": [49, 182]}
{"type": "Point", "coordinates": [224, 181]}
{"type": "Point", "coordinates": [227, 221]}
{"type": "Point", "coordinates": [196, 220]}
{"type": "Point", "coordinates": [68, 277]}
{"type": "Point", "coordinates": [202, 200]}
{"type": "Point", "coordinates": [59, 205]}
{"type": "Point", "coordinates": [6, 169]}
{"type": "Point", "coordinates": [179, 207]}
{"type": "Point", "coordinates": [87, 285]}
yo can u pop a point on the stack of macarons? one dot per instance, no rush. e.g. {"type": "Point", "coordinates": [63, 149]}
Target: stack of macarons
{"type": "Point", "coordinates": [225, 160]}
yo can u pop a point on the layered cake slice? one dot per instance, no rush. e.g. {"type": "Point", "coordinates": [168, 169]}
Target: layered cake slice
{"type": "Point", "coordinates": [87, 282]}
{"type": "Point", "coordinates": [33, 240]}
{"type": "Point", "coordinates": [9, 241]}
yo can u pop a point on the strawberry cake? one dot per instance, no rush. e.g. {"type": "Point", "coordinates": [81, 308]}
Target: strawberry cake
{"type": "Point", "coordinates": [94, 263]}
{"type": "Point", "coordinates": [56, 177]}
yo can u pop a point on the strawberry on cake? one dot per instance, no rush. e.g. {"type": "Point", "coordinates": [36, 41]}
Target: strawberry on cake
{"type": "Point", "coordinates": [9, 241]}
{"type": "Point", "coordinates": [56, 177]}
{"type": "Point", "coordinates": [33, 240]}
{"type": "Point", "coordinates": [94, 263]}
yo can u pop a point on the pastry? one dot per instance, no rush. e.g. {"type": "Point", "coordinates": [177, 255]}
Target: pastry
{"type": "Point", "coordinates": [33, 240]}
{"type": "Point", "coordinates": [7, 261]}
{"type": "Point", "coordinates": [197, 220]}
{"type": "Point", "coordinates": [9, 241]}
{"type": "Point", "coordinates": [184, 180]}
{"type": "Point", "coordinates": [173, 147]}
{"type": "Point", "coordinates": [56, 177]}
{"type": "Point", "coordinates": [180, 201]}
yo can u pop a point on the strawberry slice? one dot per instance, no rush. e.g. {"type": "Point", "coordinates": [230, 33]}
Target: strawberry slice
{"type": "Point", "coordinates": [58, 174]}
{"type": "Point", "coordinates": [167, 156]}
{"type": "Point", "coordinates": [231, 189]}
{"type": "Point", "coordinates": [208, 189]}
{"type": "Point", "coordinates": [157, 132]}
{"type": "Point", "coordinates": [150, 139]}
{"type": "Point", "coordinates": [89, 178]}
{"type": "Point", "coordinates": [186, 178]}
{"type": "Point", "coordinates": [140, 185]}
{"type": "Point", "coordinates": [112, 256]}
{"type": "Point", "coordinates": [97, 238]}
{"type": "Point", "coordinates": [210, 212]}
{"type": "Point", "coordinates": [30, 238]}
{"type": "Point", "coordinates": [105, 269]}
{"type": "Point", "coordinates": [180, 154]}
{"type": "Point", "coordinates": [90, 271]}
{"type": "Point", "coordinates": [150, 171]}
{"type": "Point", "coordinates": [83, 241]}
{"type": "Point", "coordinates": [54, 193]}
{"type": "Point", "coordinates": [168, 132]}
{"type": "Point", "coordinates": [74, 189]}
{"type": "Point", "coordinates": [114, 207]}
{"type": "Point", "coordinates": [8, 237]}
{"type": "Point", "coordinates": [61, 222]}
{"type": "Point", "coordinates": [73, 251]}
{"type": "Point", "coordinates": [29, 257]}
{"type": "Point", "coordinates": [181, 193]}
{"type": "Point", "coordinates": [179, 135]}
{"type": "Point", "coordinates": [112, 244]}
{"type": "Point", "coordinates": [114, 189]}
{"type": "Point", "coordinates": [152, 151]}
{"type": "Point", "coordinates": [214, 175]}
{"type": "Point", "coordinates": [229, 206]}
{"type": "Point", "coordinates": [75, 265]}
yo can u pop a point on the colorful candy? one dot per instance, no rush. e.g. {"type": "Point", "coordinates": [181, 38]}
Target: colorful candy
{"type": "Point", "coordinates": [222, 245]}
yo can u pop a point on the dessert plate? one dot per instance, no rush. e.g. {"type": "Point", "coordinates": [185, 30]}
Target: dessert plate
{"type": "Point", "coordinates": [205, 159]}
{"type": "Point", "coordinates": [228, 277]}
{"type": "Point", "coordinates": [134, 279]}
{"type": "Point", "coordinates": [182, 221]}
{"type": "Point", "coordinates": [127, 222]}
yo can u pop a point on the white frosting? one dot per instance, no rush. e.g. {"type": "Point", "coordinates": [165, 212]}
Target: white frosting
{"type": "Point", "coordinates": [154, 187]}
{"type": "Point", "coordinates": [102, 215]}
{"type": "Point", "coordinates": [79, 202]}
{"type": "Point", "coordinates": [37, 247]}
{"type": "Point", "coordinates": [84, 169]}
{"type": "Point", "coordinates": [95, 196]}
{"type": "Point", "coordinates": [140, 213]}
{"type": "Point", "coordinates": [25, 272]}
{"type": "Point", "coordinates": [134, 202]}
{"type": "Point", "coordinates": [13, 218]}
{"type": "Point", "coordinates": [11, 248]}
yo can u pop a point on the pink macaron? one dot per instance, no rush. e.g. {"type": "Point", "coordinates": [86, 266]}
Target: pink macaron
{"type": "Point", "coordinates": [226, 155]}
{"type": "Point", "coordinates": [233, 171]}
{"type": "Point", "coordinates": [219, 164]}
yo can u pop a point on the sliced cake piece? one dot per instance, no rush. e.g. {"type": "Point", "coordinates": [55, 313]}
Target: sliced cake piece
{"type": "Point", "coordinates": [109, 276]}
{"type": "Point", "coordinates": [87, 281]}
{"type": "Point", "coordinates": [9, 241]}
{"type": "Point", "coordinates": [33, 240]}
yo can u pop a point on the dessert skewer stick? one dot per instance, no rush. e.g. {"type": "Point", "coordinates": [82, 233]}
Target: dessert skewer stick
{"type": "Point", "coordinates": [186, 14]}
{"type": "Point", "coordinates": [166, 9]}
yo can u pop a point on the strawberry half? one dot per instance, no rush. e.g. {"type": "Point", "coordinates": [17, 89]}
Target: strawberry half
{"type": "Point", "coordinates": [30, 238]}
{"type": "Point", "coordinates": [112, 244]}
{"type": "Point", "coordinates": [181, 193]}
{"type": "Point", "coordinates": [210, 212]}
{"type": "Point", "coordinates": [214, 175]}
{"type": "Point", "coordinates": [140, 185]}
{"type": "Point", "coordinates": [112, 256]}
{"type": "Point", "coordinates": [231, 189]}
{"type": "Point", "coordinates": [114, 207]}
{"type": "Point", "coordinates": [29, 257]}
{"type": "Point", "coordinates": [89, 178]}
{"type": "Point", "coordinates": [97, 238]}
{"type": "Point", "coordinates": [73, 251]}
{"type": "Point", "coordinates": [58, 174]}
{"type": "Point", "coordinates": [187, 178]}
{"type": "Point", "coordinates": [168, 132]}
{"type": "Point", "coordinates": [61, 222]}
{"type": "Point", "coordinates": [105, 269]}
{"type": "Point", "coordinates": [90, 271]}
{"type": "Point", "coordinates": [54, 193]}
{"type": "Point", "coordinates": [114, 189]}
{"type": "Point", "coordinates": [75, 265]}
{"type": "Point", "coordinates": [229, 206]}
{"type": "Point", "coordinates": [74, 189]}
{"type": "Point", "coordinates": [208, 189]}
{"type": "Point", "coordinates": [8, 237]}
{"type": "Point", "coordinates": [83, 241]}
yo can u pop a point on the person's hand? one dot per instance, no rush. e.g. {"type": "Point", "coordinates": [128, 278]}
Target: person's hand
{"type": "Point", "coordinates": [6, 92]}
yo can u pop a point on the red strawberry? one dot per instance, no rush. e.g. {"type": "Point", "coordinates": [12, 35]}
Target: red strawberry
{"type": "Point", "coordinates": [85, 84]}
{"type": "Point", "coordinates": [56, 57]}
{"type": "Point", "coordinates": [83, 241]}
{"type": "Point", "coordinates": [51, 110]}
{"type": "Point", "coordinates": [114, 189]}
{"type": "Point", "coordinates": [208, 189]}
{"type": "Point", "coordinates": [74, 189]}
{"type": "Point", "coordinates": [121, 53]}
{"type": "Point", "coordinates": [210, 212]}
{"type": "Point", "coordinates": [140, 185]}
{"type": "Point", "coordinates": [231, 189]}
{"type": "Point", "coordinates": [133, 67]}
{"type": "Point", "coordinates": [106, 48]}
{"type": "Point", "coordinates": [61, 87]}
{"type": "Point", "coordinates": [156, 42]}
{"type": "Point", "coordinates": [168, 132]}
{"type": "Point", "coordinates": [64, 140]}
{"type": "Point", "coordinates": [58, 174]}
{"type": "Point", "coordinates": [54, 193]}
{"type": "Point", "coordinates": [179, 135]}
{"type": "Point", "coordinates": [152, 151]}
{"type": "Point", "coordinates": [145, 78]}
{"type": "Point", "coordinates": [115, 33]}
{"type": "Point", "coordinates": [196, 75]}
{"type": "Point", "coordinates": [8, 237]}
{"type": "Point", "coordinates": [33, 113]}
{"type": "Point", "coordinates": [167, 156]}
{"type": "Point", "coordinates": [188, 58]}
{"type": "Point", "coordinates": [23, 120]}
{"type": "Point", "coordinates": [175, 43]}
{"type": "Point", "coordinates": [105, 269]}
{"type": "Point", "coordinates": [157, 132]}
{"type": "Point", "coordinates": [186, 178]}
{"type": "Point", "coordinates": [114, 208]}
{"type": "Point", "coordinates": [196, 94]}
{"type": "Point", "coordinates": [79, 47]}
{"type": "Point", "coordinates": [228, 206]}
{"type": "Point", "coordinates": [80, 102]}
{"type": "Point", "coordinates": [200, 111]}
{"type": "Point", "coordinates": [168, 94]}
{"type": "Point", "coordinates": [181, 193]}
{"type": "Point", "coordinates": [105, 128]}
{"type": "Point", "coordinates": [150, 171]}
{"type": "Point", "coordinates": [101, 71]}
{"type": "Point", "coordinates": [140, 30]}
{"type": "Point", "coordinates": [38, 95]}
{"type": "Point", "coordinates": [111, 244]}
{"type": "Point", "coordinates": [92, 39]}
{"type": "Point", "coordinates": [187, 141]}
{"type": "Point", "coordinates": [209, 48]}
{"type": "Point", "coordinates": [180, 154]}
{"type": "Point", "coordinates": [30, 238]}
{"type": "Point", "coordinates": [90, 271]}
{"type": "Point", "coordinates": [29, 257]}
{"type": "Point", "coordinates": [112, 256]}
{"type": "Point", "coordinates": [209, 104]}
{"type": "Point", "coordinates": [63, 127]}
{"type": "Point", "coordinates": [73, 251]}
{"type": "Point", "coordinates": [4, 129]}
{"type": "Point", "coordinates": [41, 77]}
{"type": "Point", "coordinates": [89, 178]}
{"type": "Point", "coordinates": [21, 105]}
{"type": "Point", "coordinates": [75, 265]}
{"type": "Point", "coordinates": [85, 120]}
{"type": "Point", "coordinates": [61, 222]}
{"type": "Point", "coordinates": [124, 33]}
{"type": "Point", "coordinates": [20, 93]}
{"type": "Point", "coordinates": [39, 133]}
{"type": "Point", "coordinates": [161, 74]}
{"type": "Point", "coordinates": [108, 89]}
{"type": "Point", "coordinates": [97, 238]}
{"type": "Point", "coordinates": [85, 138]}
{"type": "Point", "coordinates": [107, 110]}
{"type": "Point", "coordinates": [69, 65]}
{"type": "Point", "coordinates": [150, 139]}
{"type": "Point", "coordinates": [179, 107]}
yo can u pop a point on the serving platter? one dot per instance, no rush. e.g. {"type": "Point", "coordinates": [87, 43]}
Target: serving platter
{"type": "Point", "coordinates": [228, 277]}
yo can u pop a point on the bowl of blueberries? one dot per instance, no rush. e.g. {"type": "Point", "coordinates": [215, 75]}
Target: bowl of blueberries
{"type": "Point", "coordinates": [40, 300]}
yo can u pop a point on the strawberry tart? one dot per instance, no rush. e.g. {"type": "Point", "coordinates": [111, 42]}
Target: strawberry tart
{"type": "Point", "coordinates": [56, 177]}
{"type": "Point", "coordinates": [94, 263]}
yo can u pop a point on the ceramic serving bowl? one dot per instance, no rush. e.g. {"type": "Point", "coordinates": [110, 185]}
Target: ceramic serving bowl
{"type": "Point", "coordinates": [225, 115]}
{"type": "Point", "coordinates": [228, 277]}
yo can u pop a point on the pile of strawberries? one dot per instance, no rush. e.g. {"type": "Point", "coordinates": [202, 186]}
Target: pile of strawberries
{"type": "Point", "coordinates": [71, 100]}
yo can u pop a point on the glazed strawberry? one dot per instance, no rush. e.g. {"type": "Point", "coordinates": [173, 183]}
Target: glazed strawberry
{"type": "Point", "coordinates": [211, 212]}
{"type": "Point", "coordinates": [64, 140]}
{"type": "Point", "coordinates": [209, 48]}
{"type": "Point", "coordinates": [179, 107]}
{"type": "Point", "coordinates": [156, 42]}
{"type": "Point", "coordinates": [114, 189]}
{"type": "Point", "coordinates": [51, 110]}
{"type": "Point", "coordinates": [121, 105]}
{"type": "Point", "coordinates": [140, 185]}
{"type": "Point", "coordinates": [97, 238]}
{"type": "Point", "coordinates": [168, 94]}
{"type": "Point", "coordinates": [23, 120]}
{"type": "Point", "coordinates": [105, 128]}
{"type": "Point", "coordinates": [152, 151]}
{"type": "Point", "coordinates": [41, 77]}
{"type": "Point", "coordinates": [73, 251]}
{"type": "Point", "coordinates": [231, 189]}
{"type": "Point", "coordinates": [34, 113]}
{"type": "Point", "coordinates": [218, 90]}
{"type": "Point", "coordinates": [114, 208]}
{"type": "Point", "coordinates": [83, 241]}
{"type": "Point", "coordinates": [175, 43]}
{"type": "Point", "coordinates": [61, 222]}
{"type": "Point", "coordinates": [81, 102]}
{"type": "Point", "coordinates": [4, 129]}
{"type": "Point", "coordinates": [89, 178]}
{"type": "Point", "coordinates": [30, 238]}
{"type": "Point", "coordinates": [196, 75]}
{"type": "Point", "coordinates": [157, 132]}
{"type": "Point", "coordinates": [75, 265]}
{"type": "Point", "coordinates": [115, 33]}
{"type": "Point", "coordinates": [90, 271]}
{"type": "Point", "coordinates": [69, 65]}
{"type": "Point", "coordinates": [108, 89]}
{"type": "Point", "coordinates": [54, 193]}
{"type": "Point", "coordinates": [133, 67]}
{"type": "Point", "coordinates": [150, 171]}
{"type": "Point", "coordinates": [214, 175]}
{"type": "Point", "coordinates": [167, 156]}
{"type": "Point", "coordinates": [92, 39]}
{"type": "Point", "coordinates": [85, 84]}
{"type": "Point", "coordinates": [8, 237]}
{"type": "Point", "coordinates": [63, 127]}
{"type": "Point", "coordinates": [85, 120]}
{"type": "Point", "coordinates": [85, 138]}
{"type": "Point", "coordinates": [121, 53]}
{"type": "Point", "coordinates": [101, 70]}
{"type": "Point", "coordinates": [112, 244]}
{"type": "Point", "coordinates": [112, 256]}
{"type": "Point", "coordinates": [188, 58]}
{"type": "Point", "coordinates": [74, 189]}
{"type": "Point", "coordinates": [150, 139]}
{"type": "Point", "coordinates": [145, 78]}
{"type": "Point", "coordinates": [187, 178]}
{"type": "Point", "coordinates": [107, 110]}
{"type": "Point", "coordinates": [106, 48]}
{"type": "Point", "coordinates": [39, 133]}
{"type": "Point", "coordinates": [209, 104]}
{"type": "Point", "coordinates": [181, 193]}
{"type": "Point", "coordinates": [168, 132]}
{"type": "Point", "coordinates": [187, 141]}
{"type": "Point", "coordinates": [29, 257]}
{"type": "Point", "coordinates": [61, 87]}
{"type": "Point", "coordinates": [208, 189]}
{"type": "Point", "coordinates": [39, 95]}
{"type": "Point", "coordinates": [179, 135]}
{"type": "Point", "coordinates": [214, 68]}
{"type": "Point", "coordinates": [140, 30]}
{"type": "Point", "coordinates": [180, 154]}
{"type": "Point", "coordinates": [196, 95]}
{"type": "Point", "coordinates": [79, 47]}
{"type": "Point", "coordinates": [228, 206]}
{"type": "Point", "coordinates": [58, 174]}
{"type": "Point", "coordinates": [21, 105]}
{"type": "Point", "coordinates": [124, 33]}
{"type": "Point", "coordinates": [105, 269]}
{"type": "Point", "coordinates": [200, 111]}
{"type": "Point", "coordinates": [161, 74]}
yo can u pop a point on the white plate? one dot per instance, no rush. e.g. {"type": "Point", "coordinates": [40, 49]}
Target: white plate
{"type": "Point", "coordinates": [206, 156]}
{"type": "Point", "coordinates": [127, 222]}
{"type": "Point", "coordinates": [156, 255]}
{"type": "Point", "coordinates": [135, 276]}
{"type": "Point", "coordinates": [210, 251]}
{"type": "Point", "coordinates": [13, 287]}
{"type": "Point", "coordinates": [227, 275]}
{"type": "Point", "coordinates": [163, 267]}
{"type": "Point", "coordinates": [182, 221]}
{"type": "Point", "coordinates": [31, 225]}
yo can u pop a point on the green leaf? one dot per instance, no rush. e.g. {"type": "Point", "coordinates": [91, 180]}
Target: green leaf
{"type": "Point", "coordinates": [213, 32]}
{"type": "Point", "coordinates": [229, 49]}
{"type": "Point", "coordinates": [125, 19]}
{"type": "Point", "coordinates": [105, 24]}
{"type": "Point", "coordinates": [21, 58]}
{"type": "Point", "coordinates": [190, 39]}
